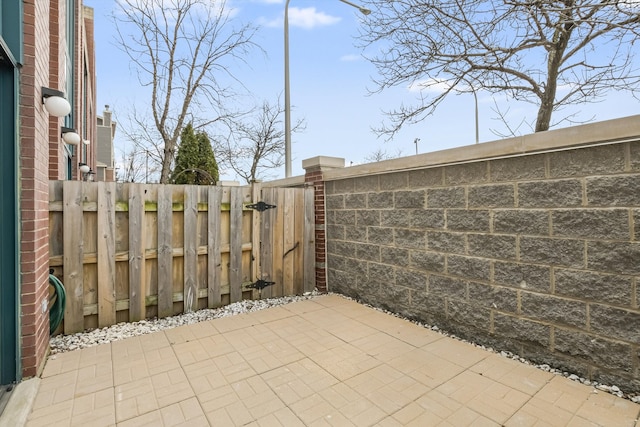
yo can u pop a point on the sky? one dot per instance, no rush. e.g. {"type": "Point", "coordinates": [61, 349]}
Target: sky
{"type": "Point", "coordinates": [330, 83]}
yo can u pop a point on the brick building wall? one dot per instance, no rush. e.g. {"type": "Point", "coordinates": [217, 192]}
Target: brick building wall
{"type": "Point", "coordinates": [528, 247]}
{"type": "Point", "coordinates": [43, 155]}
{"type": "Point", "coordinates": [35, 125]}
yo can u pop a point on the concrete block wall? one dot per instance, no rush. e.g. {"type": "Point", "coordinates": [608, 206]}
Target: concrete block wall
{"type": "Point", "coordinates": [536, 253]}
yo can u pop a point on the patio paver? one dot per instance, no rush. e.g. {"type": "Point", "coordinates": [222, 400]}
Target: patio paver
{"type": "Point", "coordinates": [328, 361]}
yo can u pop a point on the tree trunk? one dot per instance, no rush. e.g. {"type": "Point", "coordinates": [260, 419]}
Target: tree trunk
{"type": "Point", "coordinates": [166, 166]}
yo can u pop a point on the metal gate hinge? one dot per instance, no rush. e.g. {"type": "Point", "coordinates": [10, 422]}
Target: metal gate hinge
{"type": "Point", "coordinates": [261, 206]}
{"type": "Point", "coordinates": [260, 284]}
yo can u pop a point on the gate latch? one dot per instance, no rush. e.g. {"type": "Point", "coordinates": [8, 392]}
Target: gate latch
{"type": "Point", "coordinates": [260, 284]}
{"type": "Point", "coordinates": [261, 206]}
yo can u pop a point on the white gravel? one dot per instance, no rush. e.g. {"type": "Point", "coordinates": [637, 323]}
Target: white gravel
{"type": "Point", "coordinates": [64, 343]}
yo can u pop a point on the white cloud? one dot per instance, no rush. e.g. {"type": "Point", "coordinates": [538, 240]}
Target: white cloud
{"type": "Point", "coordinates": [430, 85]}
{"type": "Point", "coordinates": [307, 18]}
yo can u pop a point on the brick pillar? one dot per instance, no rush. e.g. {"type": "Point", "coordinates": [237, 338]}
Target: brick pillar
{"type": "Point", "coordinates": [314, 175]}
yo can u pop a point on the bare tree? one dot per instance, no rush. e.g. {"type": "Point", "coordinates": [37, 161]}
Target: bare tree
{"type": "Point", "coordinates": [380, 155]}
{"type": "Point", "coordinates": [131, 167]}
{"type": "Point", "coordinates": [182, 51]}
{"type": "Point", "coordinates": [548, 53]}
{"type": "Point", "coordinates": [257, 144]}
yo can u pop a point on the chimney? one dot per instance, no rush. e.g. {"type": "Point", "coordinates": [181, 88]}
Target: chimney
{"type": "Point", "coordinates": [106, 116]}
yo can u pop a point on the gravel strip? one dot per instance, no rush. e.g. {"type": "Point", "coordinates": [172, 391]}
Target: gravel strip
{"type": "Point", "coordinates": [64, 343]}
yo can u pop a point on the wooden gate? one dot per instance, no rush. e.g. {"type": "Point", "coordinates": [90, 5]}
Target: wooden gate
{"type": "Point", "coordinates": [128, 251]}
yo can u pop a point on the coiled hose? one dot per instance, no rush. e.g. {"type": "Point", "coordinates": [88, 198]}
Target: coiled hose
{"type": "Point", "coordinates": [56, 312]}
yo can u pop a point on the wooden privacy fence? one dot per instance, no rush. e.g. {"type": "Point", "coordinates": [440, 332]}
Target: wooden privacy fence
{"type": "Point", "coordinates": [128, 251]}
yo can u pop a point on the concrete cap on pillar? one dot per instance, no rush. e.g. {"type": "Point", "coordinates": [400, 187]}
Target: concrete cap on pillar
{"type": "Point", "coordinates": [323, 163]}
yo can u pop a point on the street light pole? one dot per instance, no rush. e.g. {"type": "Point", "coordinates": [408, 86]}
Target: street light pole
{"type": "Point", "coordinates": [287, 96]}
{"type": "Point", "coordinates": [287, 90]}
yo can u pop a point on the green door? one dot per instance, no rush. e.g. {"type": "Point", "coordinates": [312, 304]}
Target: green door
{"type": "Point", "coordinates": [9, 295]}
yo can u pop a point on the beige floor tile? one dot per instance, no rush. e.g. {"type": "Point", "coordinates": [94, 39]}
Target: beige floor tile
{"type": "Point", "coordinates": [408, 413]}
{"type": "Point", "coordinates": [298, 380]}
{"type": "Point", "coordinates": [351, 330]}
{"type": "Point", "coordinates": [134, 399]}
{"type": "Point", "coordinates": [363, 412]}
{"type": "Point", "coordinates": [484, 395]}
{"type": "Point", "coordinates": [305, 307]}
{"type": "Point", "coordinates": [56, 414]}
{"type": "Point", "coordinates": [204, 376]}
{"type": "Point", "coordinates": [127, 371]}
{"type": "Point", "coordinates": [400, 329]}
{"type": "Point", "coordinates": [257, 397]}
{"type": "Point", "coordinates": [604, 408]}
{"type": "Point", "coordinates": [94, 378]}
{"type": "Point", "coordinates": [148, 419]}
{"type": "Point", "coordinates": [94, 410]}
{"type": "Point", "coordinates": [565, 394]}
{"type": "Point", "coordinates": [578, 421]}
{"type": "Point", "coordinates": [218, 398]}
{"type": "Point", "coordinates": [524, 378]}
{"type": "Point", "coordinates": [61, 363]}
{"type": "Point", "coordinates": [458, 352]}
{"type": "Point", "coordinates": [187, 413]}
{"type": "Point", "coordinates": [425, 367]}
{"type": "Point", "coordinates": [232, 323]}
{"type": "Point", "coordinates": [287, 418]}
{"type": "Point", "coordinates": [161, 360]}
{"type": "Point", "coordinates": [382, 346]}
{"type": "Point", "coordinates": [271, 315]}
{"type": "Point", "coordinates": [467, 417]}
{"type": "Point", "coordinates": [56, 389]}
{"type": "Point", "coordinates": [216, 345]}
{"type": "Point", "coordinates": [233, 367]}
{"type": "Point", "coordinates": [191, 352]}
{"type": "Point", "coordinates": [202, 329]}
{"type": "Point", "coordinates": [345, 361]}
{"type": "Point", "coordinates": [389, 422]}
{"type": "Point", "coordinates": [439, 405]}
{"type": "Point", "coordinates": [219, 417]}
{"type": "Point", "coordinates": [311, 408]}
{"type": "Point", "coordinates": [96, 355]}
{"type": "Point", "coordinates": [184, 333]}
{"type": "Point", "coordinates": [539, 413]}
{"type": "Point", "coordinates": [171, 387]}
{"type": "Point", "coordinates": [239, 414]}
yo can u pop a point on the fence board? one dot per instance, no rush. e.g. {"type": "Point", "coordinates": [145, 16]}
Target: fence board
{"type": "Point", "coordinates": [309, 240]}
{"type": "Point", "coordinates": [136, 254]}
{"type": "Point", "coordinates": [106, 252]}
{"type": "Point", "coordinates": [298, 265]}
{"type": "Point", "coordinates": [73, 256]}
{"type": "Point", "coordinates": [165, 251]}
{"type": "Point", "coordinates": [190, 248]}
{"type": "Point", "coordinates": [235, 245]}
{"type": "Point", "coordinates": [266, 239]}
{"type": "Point", "coordinates": [278, 243]}
{"type": "Point", "coordinates": [214, 261]}
{"type": "Point", "coordinates": [289, 243]}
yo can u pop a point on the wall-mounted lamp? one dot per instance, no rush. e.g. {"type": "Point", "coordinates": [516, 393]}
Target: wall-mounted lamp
{"type": "Point", "coordinates": [86, 142]}
{"type": "Point", "coordinates": [55, 102]}
{"type": "Point", "coordinates": [84, 168]}
{"type": "Point", "coordinates": [70, 136]}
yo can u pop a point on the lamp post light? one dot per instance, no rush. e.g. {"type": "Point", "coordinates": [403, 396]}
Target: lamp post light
{"type": "Point", "coordinates": [287, 96]}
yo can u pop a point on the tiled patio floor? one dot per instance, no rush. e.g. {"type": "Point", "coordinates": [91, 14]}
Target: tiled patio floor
{"type": "Point", "coordinates": [326, 361]}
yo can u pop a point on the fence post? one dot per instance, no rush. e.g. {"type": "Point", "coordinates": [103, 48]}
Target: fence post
{"type": "Point", "coordinates": [314, 175]}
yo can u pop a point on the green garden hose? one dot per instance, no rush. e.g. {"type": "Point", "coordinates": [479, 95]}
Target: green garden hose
{"type": "Point", "coordinates": [56, 312]}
